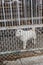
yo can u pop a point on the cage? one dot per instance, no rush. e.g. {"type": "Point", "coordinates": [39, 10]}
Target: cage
{"type": "Point", "coordinates": [20, 15]}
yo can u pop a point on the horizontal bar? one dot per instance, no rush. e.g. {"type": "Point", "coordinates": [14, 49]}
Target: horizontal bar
{"type": "Point", "coordinates": [12, 1]}
{"type": "Point", "coordinates": [21, 51]}
{"type": "Point", "coordinates": [21, 26]}
{"type": "Point", "coordinates": [16, 19]}
{"type": "Point", "coordinates": [3, 28]}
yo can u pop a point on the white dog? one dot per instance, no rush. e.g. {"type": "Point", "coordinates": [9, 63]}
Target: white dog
{"type": "Point", "coordinates": [26, 35]}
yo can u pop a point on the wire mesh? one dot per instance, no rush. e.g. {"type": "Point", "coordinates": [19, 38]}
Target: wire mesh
{"type": "Point", "coordinates": [20, 13]}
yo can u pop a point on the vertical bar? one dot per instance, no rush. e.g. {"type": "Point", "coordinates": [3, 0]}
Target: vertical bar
{"type": "Point", "coordinates": [21, 7]}
{"type": "Point", "coordinates": [25, 11]}
{"type": "Point", "coordinates": [32, 11]}
{"type": "Point", "coordinates": [11, 12]}
{"type": "Point", "coordinates": [41, 11]}
{"type": "Point", "coordinates": [36, 11]}
{"type": "Point", "coordinates": [3, 12]}
{"type": "Point", "coordinates": [18, 11]}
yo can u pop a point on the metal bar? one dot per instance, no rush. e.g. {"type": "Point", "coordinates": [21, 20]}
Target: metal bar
{"type": "Point", "coordinates": [39, 11]}
{"type": "Point", "coordinates": [18, 12]}
{"type": "Point", "coordinates": [36, 11]}
{"type": "Point", "coordinates": [25, 10]}
{"type": "Point", "coordinates": [15, 0]}
{"type": "Point", "coordinates": [3, 11]}
{"type": "Point", "coordinates": [11, 12]}
{"type": "Point", "coordinates": [22, 26]}
{"type": "Point", "coordinates": [31, 11]}
{"type": "Point", "coordinates": [12, 2]}
{"type": "Point", "coordinates": [20, 51]}
{"type": "Point", "coordinates": [34, 18]}
{"type": "Point", "coordinates": [25, 26]}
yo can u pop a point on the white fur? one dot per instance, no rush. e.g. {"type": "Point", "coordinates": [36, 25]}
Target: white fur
{"type": "Point", "coordinates": [26, 35]}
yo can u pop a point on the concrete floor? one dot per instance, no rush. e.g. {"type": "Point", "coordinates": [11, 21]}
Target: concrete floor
{"type": "Point", "coordinates": [27, 61]}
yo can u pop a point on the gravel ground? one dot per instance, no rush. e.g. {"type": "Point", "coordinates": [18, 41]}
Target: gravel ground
{"type": "Point", "coordinates": [27, 61]}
